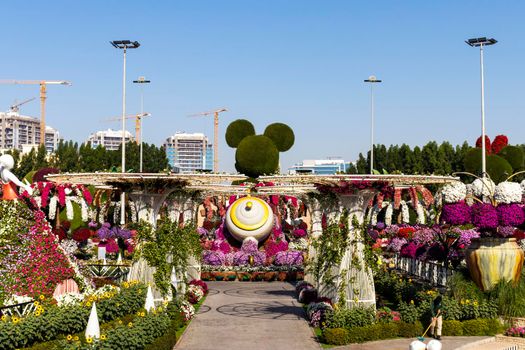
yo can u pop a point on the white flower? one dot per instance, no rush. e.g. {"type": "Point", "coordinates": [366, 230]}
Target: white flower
{"type": "Point", "coordinates": [421, 218]}
{"type": "Point", "coordinates": [483, 188]}
{"type": "Point", "coordinates": [298, 244]}
{"type": "Point", "coordinates": [405, 214]}
{"type": "Point", "coordinates": [469, 199]}
{"type": "Point", "coordinates": [454, 192]}
{"type": "Point", "coordinates": [508, 192]}
{"type": "Point", "coordinates": [388, 214]}
{"type": "Point", "coordinates": [69, 209]}
{"type": "Point", "coordinates": [53, 207]}
{"type": "Point", "coordinates": [107, 288]}
{"type": "Point", "coordinates": [17, 299]}
{"type": "Point", "coordinates": [69, 299]}
{"type": "Point", "coordinates": [522, 184]}
{"type": "Point", "coordinates": [69, 245]}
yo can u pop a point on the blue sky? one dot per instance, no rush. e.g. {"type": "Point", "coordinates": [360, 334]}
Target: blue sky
{"type": "Point", "coordinates": [300, 62]}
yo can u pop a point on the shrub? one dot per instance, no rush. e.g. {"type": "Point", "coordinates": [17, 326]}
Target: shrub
{"type": "Point", "coordinates": [475, 327]}
{"type": "Point", "coordinates": [238, 130]}
{"type": "Point", "coordinates": [409, 330]}
{"type": "Point", "coordinates": [514, 155]}
{"type": "Point", "coordinates": [497, 167]}
{"type": "Point", "coordinates": [409, 312]}
{"type": "Point", "coordinates": [349, 318]}
{"type": "Point", "coordinates": [494, 326]}
{"type": "Point", "coordinates": [281, 134]}
{"type": "Point", "coordinates": [256, 155]}
{"type": "Point", "coordinates": [335, 336]}
{"type": "Point", "coordinates": [452, 328]}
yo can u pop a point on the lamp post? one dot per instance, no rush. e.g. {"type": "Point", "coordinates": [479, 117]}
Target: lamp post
{"type": "Point", "coordinates": [372, 80]}
{"type": "Point", "coordinates": [141, 81]}
{"type": "Point", "coordinates": [124, 45]}
{"type": "Point", "coordinates": [480, 42]}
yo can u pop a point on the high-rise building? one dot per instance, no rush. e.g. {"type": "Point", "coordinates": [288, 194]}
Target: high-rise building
{"type": "Point", "coordinates": [188, 153]}
{"type": "Point", "coordinates": [109, 139]}
{"type": "Point", "coordinates": [320, 167]}
{"type": "Point", "coordinates": [22, 132]}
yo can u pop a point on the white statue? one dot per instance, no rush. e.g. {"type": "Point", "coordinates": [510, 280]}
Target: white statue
{"type": "Point", "coordinates": [7, 177]}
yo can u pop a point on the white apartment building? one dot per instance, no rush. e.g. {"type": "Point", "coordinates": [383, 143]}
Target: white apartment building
{"type": "Point", "coordinates": [110, 139]}
{"type": "Point", "coordinates": [22, 132]}
{"type": "Point", "coordinates": [189, 152]}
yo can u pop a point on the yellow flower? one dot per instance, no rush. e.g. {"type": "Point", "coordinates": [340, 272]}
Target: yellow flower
{"type": "Point", "coordinates": [462, 302]}
{"type": "Point", "coordinates": [467, 301]}
{"type": "Point", "coordinates": [15, 319]}
{"type": "Point", "coordinates": [125, 284]}
{"type": "Point", "coordinates": [142, 314]}
{"type": "Point", "coordinates": [41, 297]}
{"type": "Point", "coordinates": [118, 304]}
{"type": "Point", "coordinates": [412, 302]}
{"type": "Point", "coordinates": [40, 309]}
{"type": "Point", "coordinates": [89, 340]}
{"type": "Point", "coordinates": [69, 337]}
{"type": "Point", "coordinates": [4, 317]}
{"type": "Point", "coordinates": [36, 303]}
{"type": "Point", "coordinates": [103, 337]}
{"type": "Point", "coordinates": [159, 309]}
{"type": "Point", "coordinates": [130, 324]}
{"type": "Point", "coordinates": [119, 321]}
{"type": "Point", "coordinates": [37, 313]}
{"type": "Point", "coordinates": [76, 338]}
{"type": "Point", "coordinates": [475, 303]}
{"type": "Point", "coordinates": [410, 280]}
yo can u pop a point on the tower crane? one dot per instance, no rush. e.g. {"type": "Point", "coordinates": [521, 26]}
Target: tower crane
{"type": "Point", "coordinates": [15, 107]}
{"type": "Point", "coordinates": [138, 124]}
{"type": "Point", "coordinates": [43, 88]}
{"type": "Point", "coordinates": [215, 114]}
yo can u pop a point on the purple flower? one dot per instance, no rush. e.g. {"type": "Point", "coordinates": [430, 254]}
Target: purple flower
{"type": "Point", "coordinates": [288, 258]}
{"type": "Point", "coordinates": [214, 258]}
{"type": "Point", "coordinates": [392, 230]}
{"type": "Point", "coordinates": [104, 232]}
{"type": "Point", "coordinates": [484, 216]}
{"type": "Point", "coordinates": [373, 234]}
{"type": "Point", "coordinates": [380, 225]}
{"type": "Point", "coordinates": [272, 247]}
{"type": "Point", "coordinates": [466, 236]}
{"type": "Point", "coordinates": [121, 232]}
{"type": "Point", "coordinates": [219, 232]}
{"type": "Point", "coordinates": [221, 245]}
{"type": "Point", "coordinates": [456, 213]}
{"type": "Point", "coordinates": [409, 250]}
{"type": "Point", "coordinates": [299, 233]}
{"type": "Point", "coordinates": [424, 235]}
{"type": "Point", "coordinates": [241, 258]}
{"type": "Point", "coordinates": [250, 245]}
{"type": "Point", "coordinates": [396, 244]}
{"type": "Point", "coordinates": [92, 224]}
{"type": "Point", "coordinates": [202, 231]}
{"type": "Point", "coordinates": [510, 214]}
{"type": "Point", "coordinates": [506, 231]}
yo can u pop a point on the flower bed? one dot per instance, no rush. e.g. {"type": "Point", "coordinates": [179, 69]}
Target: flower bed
{"type": "Point", "coordinates": [252, 273]}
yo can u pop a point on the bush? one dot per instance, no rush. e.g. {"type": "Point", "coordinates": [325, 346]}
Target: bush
{"type": "Point", "coordinates": [256, 156]}
{"type": "Point", "coordinates": [475, 327]}
{"type": "Point", "coordinates": [452, 328]}
{"type": "Point", "coordinates": [514, 155]}
{"type": "Point", "coordinates": [409, 330]}
{"type": "Point", "coordinates": [281, 134]}
{"type": "Point", "coordinates": [409, 312]}
{"type": "Point", "coordinates": [167, 341]}
{"type": "Point", "coordinates": [497, 167]}
{"type": "Point", "coordinates": [494, 326]}
{"type": "Point", "coordinates": [350, 318]}
{"type": "Point", "coordinates": [238, 130]}
{"type": "Point", "coordinates": [335, 336]}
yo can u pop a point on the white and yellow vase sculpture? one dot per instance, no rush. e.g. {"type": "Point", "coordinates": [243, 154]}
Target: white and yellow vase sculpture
{"type": "Point", "coordinates": [249, 217]}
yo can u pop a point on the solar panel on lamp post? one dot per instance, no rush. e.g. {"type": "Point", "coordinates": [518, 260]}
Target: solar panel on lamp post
{"type": "Point", "coordinates": [372, 80]}
{"type": "Point", "coordinates": [124, 45]}
{"type": "Point", "coordinates": [141, 81]}
{"type": "Point", "coordinates": [481, 42]}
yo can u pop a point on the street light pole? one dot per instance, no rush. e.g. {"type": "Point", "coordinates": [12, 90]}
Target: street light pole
{"type": "Point", "coordinates": [141, 81]}
{"type": "Point", "coordinates": [372, 80]}
{"type": "Point", "coordinates": [480, 42]}
{"type": "Point", "coordinates": [124, 45]}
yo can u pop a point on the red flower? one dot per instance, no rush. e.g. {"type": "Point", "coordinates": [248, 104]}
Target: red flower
{"type": "Point", "coordinates": [499, 143]}
{"type": "Point", "coordinates": [82, 234]}
{"type": "Point", "coordinates": [405, 232]}
{"type": "Point", "coordinates": [487, 144]}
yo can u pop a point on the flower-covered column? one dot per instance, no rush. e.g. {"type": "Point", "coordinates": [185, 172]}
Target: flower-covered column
{"type": "Point", "coordinates": [148, 205]}
{"type": "Point", "coordinates": [316, 220]}
{"type": "Point", "coordinates": [358, 278]}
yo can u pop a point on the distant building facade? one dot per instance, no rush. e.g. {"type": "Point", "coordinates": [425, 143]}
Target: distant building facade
{"type": "Point", "coordinates": [320, 167]}
{"type": "Point", "coordinates": [188, 153]}
{"type": "Point", "coordinates": [22, 132]}
{"type": "Point", "coordinates": [109, 139]}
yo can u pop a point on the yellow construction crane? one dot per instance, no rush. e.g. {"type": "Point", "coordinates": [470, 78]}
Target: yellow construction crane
{"type": "Point", "coordinates": [16, 107]}
{"type": "Point", "coordinates": [138, 124]}
{"type": "Point", "coordinates": [43, 84]}
{"type": "Point", "coordinates": [215, 134]}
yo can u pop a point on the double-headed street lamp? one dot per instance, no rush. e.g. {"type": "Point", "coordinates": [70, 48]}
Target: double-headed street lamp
{"type": "Point", "coordinates": [124, 45]}
{"type": "Point", "coordinates": [480, 42]}
{"type": "Point", "coordinates": [372, 80]}
{"type": "Point", "coordinates": [141, 81]}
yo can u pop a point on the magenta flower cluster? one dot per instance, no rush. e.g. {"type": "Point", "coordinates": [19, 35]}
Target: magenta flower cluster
{"type": "Point", "coordinates": [456, 213]}
{"type": "Point", "coordinates": [288, 258]}
{"type": "Point", "coordinates": [484, 216]}
{"type": "Point", "coordinates": [510, 214]}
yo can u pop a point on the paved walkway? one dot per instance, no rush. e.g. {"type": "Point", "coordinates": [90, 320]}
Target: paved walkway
{"type": "Point", "coordinates": [249, 315]}
{"type": "Point", "coordinates": [266, 316]}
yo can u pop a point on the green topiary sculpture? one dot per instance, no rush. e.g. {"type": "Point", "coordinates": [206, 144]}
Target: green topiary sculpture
{"type": "Point", "coordinates": [258, 155]}
{"type": "Point", "coordinates": [514, 155]}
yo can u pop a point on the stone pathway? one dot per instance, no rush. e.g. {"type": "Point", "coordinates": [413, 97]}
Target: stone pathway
{"type": "Point", "coordinates": [249, 315]}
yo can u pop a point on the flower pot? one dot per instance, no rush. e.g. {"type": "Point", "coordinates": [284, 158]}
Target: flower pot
{"type": "Point", "coordinates": [258, 276]}
{"type": "Point", "coordinates": [244, 276]}
{"type": "Point", "coordinates": [206, 276]}
{"type": "Point", "coordinates": [270, 276]}
{"type": "Point", "coordinates": [291, 276]}
{"type": "Point", "coordinates": [300, 276]}
{"type": "Point", "coordinates": [281, 276]}
{"type": "Point", "coordinates": [230, 276]}
{"type": "Point", "coordinates": [218, 276]}
{"type": "Point", "coordinates": [491, 260]}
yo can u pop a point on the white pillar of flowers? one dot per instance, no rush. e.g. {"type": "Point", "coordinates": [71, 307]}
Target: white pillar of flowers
{"type": "Point", "coordinates": [356, 273]}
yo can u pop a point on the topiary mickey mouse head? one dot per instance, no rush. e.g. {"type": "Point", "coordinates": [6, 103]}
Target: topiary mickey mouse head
{"type": "Point", "coordinates": [258, 155]}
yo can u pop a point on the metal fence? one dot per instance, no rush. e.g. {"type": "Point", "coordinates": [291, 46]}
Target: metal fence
{"type": "Point", "coordinates": [432, 272]}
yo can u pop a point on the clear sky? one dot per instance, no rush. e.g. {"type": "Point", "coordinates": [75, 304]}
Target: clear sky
{"type": "Point", "coordinates": [300, 62]}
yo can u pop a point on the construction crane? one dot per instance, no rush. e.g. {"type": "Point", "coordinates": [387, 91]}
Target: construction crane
{"type": "Point", "coordinates": [215, 134]}
{"type": "Point", "coordinates": [15, 108]}
{"type": "Point", "coordinates": [43, 84]}
{"type": "Point", "coordinates": [138, 123]}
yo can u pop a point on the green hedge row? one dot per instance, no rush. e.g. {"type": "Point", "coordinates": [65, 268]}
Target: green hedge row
{"type": "Point", "coordinates": [380, 331]}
